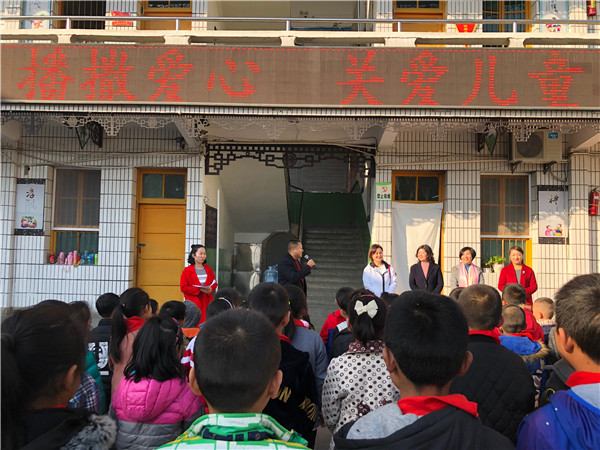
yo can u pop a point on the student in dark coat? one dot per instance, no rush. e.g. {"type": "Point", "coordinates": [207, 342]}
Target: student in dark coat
{"type": "Point", "coordinates": [426, 416]}
{"type": "Point", "coordinates": [432, 282]}
{"type": "Point", "coordinates": [289, 269]}
{"type": "Point", "coordinates": [498, 380]}
{"type": "Point", "coordinates": [99, 338]}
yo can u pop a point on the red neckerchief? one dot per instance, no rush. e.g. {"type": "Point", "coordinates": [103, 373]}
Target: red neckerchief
{"type": "Point", "coordinates": [134, 323]}
{"type": "Point", "coordinates": [581, 377]}
{"type": "Point", "coordinates": [59, 406]}
{"type": "Point", "coordinates": [283, 337]}
{"type": "Point", "coordinates": [489, 333]}
{"type": "Point", "coordinates": [523, 334]}
{"type": "Point", "coordinates": [300, 323]}
{"type": "Point", "coordinates": [421, 406]}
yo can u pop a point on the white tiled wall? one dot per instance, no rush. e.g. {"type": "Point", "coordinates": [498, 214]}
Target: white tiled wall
{"type": "Point", "coordinates": [24, 273]}
{"type": "Point", "coordinates": [456, 155]}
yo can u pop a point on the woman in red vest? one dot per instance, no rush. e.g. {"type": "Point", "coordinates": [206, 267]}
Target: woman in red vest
{"type": "Point", "coordinates": [198, 280]}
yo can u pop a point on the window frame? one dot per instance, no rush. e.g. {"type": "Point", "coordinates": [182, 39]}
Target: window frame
{"type": "Point", "coordinates": [502, 15]}
{"type": "Point", "coordinates": [501, 205]}
{"type": "Point", "coordinates": [162, 200]}
{"type": "Point", "coordinates": [418, 173]}
{"type": "Point", "coordinates": [79, 229]}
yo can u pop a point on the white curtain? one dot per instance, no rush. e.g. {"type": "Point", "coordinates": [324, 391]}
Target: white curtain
{"type": "Point", "coordinates": [413, 224]}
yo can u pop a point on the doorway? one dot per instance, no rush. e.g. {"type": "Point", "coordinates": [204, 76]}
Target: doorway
{"type": "Point", "coordinates": [160, 245]}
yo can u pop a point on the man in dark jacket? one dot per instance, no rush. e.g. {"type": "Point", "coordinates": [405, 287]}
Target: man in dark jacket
{"type": "Point", "coordinates": [296, 405]}
{"type": "Point", "coordinates": [498, 380]}
{"type": "Point", "coordinates": [99, 337]}
{"type": "Point", "coordinates": [289, 270]}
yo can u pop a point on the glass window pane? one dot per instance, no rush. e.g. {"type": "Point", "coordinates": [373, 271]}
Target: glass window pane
{"type": "Point", "coordinates": [516, 220]}
{"type": "Point", "coordinates": [152, 185]}
{"type": "Point", "coordinates": [66, 212]}
{"type": "Point", "coordinates": [406, 4]}
{"type": "Point", "coordinates": [490, 216]}
{"type": "Point", "coordinates": [174, 186]}
{"type": "Point", "coordinates": [66, 241]}
{"type": "Point", "coordinates": [91, 184]}
{"type": "Point", "coordinates": [514, 5]}
{"type": "Point", "coordinates": [426, 4]}
{"type": "Point", "coordinates": [489, 248]}
{"type": "Point", "coordinates": [490, 191]}
{"type": "Point", "coordinates": [67, 183]}
{"type": "Point", "coordinates": [429, 189]}
{"type": "Point", "coordinates": [90, 212]}
{"type": "Point", "coordinates": [405, 189]}
{"type": "Point", "coordinates": [515, 190]}
{"type": "Point", "coordinates": [88, 242]}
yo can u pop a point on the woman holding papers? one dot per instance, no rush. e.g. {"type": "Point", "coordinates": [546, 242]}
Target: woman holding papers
{"type": "Point", "coordinates": [198, 280]}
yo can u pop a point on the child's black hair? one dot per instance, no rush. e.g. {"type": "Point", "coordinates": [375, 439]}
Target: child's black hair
{"type": "Point", "coordinates": [364, 327]}
{"type": "Point", "coordinates": [235, 357]}
{"type": "Point", "coordinates": [217, 306]}
{"type": "Point", "coordinates": [174, 309]}
{"type": "Point", "coordinates": [193, 251]}
{"type": "Point", "coordinates": [577, 311]}
{"type": "Point", "coordinates": [298, 308]}
{"type": "Point", "coordinates": [428, 336]}
{"type": "Point", "coordinates": [514, 294]}
{"type": "Point", "coordinates": [230, 294]}
{"type": "Point", "coordinates": [272, 300]}
{"type": "Point", "coordinates": [153, 306]}
{"type": "Point", "coordinates": [131, 303]}
{"type": "Point", "coordinates": [389, 298]}
{"type": "Point", "coordinates": [343, 296]}
{"type": "Point", "coordinates": [156, 351]}
{"type": "Point", "coordinates": [455, 293]}
{"type": "Point", "coordinates": [482, 306]}
{"type": "Point", "coordinates": [106, 304]}
{"type": "Point", "coordinates": [39, 345]}
{"type": "Point", "coordinates": [81, 315]}
{"type": "Point", "coordinates": [513, 319]}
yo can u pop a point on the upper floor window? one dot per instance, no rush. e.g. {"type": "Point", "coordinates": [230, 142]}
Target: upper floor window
{"type": "Point", "coordinates": [84, 8]}
{"type": "Point", "coordinates": [76, 211]}
{"type": "Point", "coordinates": [421, 9]}
{"type": "Point", "coordinates": [508, 10]}
{"type": "Point", "coordinates": [418, 4]}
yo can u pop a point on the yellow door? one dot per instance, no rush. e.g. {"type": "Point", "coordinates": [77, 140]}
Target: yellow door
{"type": "Point", "coordinates": [160, 250]}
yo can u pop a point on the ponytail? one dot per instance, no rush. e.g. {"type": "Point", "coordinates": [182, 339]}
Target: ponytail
{"type": "Point", "coordinates": [364, 327]}
{"type": "Point", "coordinates": [39, 345]}
{"type": "Point", "coordinates": [131, 303]}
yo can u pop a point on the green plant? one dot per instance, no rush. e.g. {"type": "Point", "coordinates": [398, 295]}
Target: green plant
{"type": "Point", "coordinates": [495, 260]}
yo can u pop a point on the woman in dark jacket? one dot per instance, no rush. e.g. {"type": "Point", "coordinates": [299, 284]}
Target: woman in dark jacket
{"type": "Point", "coordinates": [426, 274]}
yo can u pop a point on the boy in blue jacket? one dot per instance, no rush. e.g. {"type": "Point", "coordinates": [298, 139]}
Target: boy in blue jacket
{"type": "Point", "coordinates": [572, 419]}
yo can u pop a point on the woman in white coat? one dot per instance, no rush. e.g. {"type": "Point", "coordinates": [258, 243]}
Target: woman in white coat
{"type": "Point", "coordinates": [379, 276]}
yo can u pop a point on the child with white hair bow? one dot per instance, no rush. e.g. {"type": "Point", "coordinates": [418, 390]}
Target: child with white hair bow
{"type": "Point", "coordinates": [358, 382]}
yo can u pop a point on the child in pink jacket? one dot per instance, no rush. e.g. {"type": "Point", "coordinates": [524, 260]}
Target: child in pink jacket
{"type": "Point", "coordinates": [153, 403]}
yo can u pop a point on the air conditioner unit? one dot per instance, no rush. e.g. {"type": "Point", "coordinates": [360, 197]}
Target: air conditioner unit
{"type": "Point", "coordinates": [541, 147]}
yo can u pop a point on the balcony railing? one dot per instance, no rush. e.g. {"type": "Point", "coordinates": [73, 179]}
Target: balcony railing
{"type": "Point", "coordinates": [291, 32]}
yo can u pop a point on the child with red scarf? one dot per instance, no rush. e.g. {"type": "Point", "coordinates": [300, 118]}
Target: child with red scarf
{"type": "Point", "coordinates": [129, 316]}
{"type": "Point", "coordinates": [572, 419]}
{"type": "Point", "coordinates": [426, 338]}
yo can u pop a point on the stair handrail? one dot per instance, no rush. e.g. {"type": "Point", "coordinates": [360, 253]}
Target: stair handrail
{"type": "Point", "coordinates": [300, 233]}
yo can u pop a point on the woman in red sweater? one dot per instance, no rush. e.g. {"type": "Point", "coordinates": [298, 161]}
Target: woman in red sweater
{"type": "Point", "coordinates": [198, 280]}
{"type": "Point", "coordinates": [517, 272]}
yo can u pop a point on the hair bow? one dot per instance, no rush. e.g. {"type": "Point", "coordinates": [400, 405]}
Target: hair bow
{"type": "Point", "coordinates": [371, 308]}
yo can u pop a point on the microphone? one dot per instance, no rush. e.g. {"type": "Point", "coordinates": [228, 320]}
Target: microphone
{"type": "Point", "coordinates": [307, 258]}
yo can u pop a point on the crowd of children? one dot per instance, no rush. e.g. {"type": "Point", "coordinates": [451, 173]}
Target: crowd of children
{"type": "Point", "coordinates": [416, 371]}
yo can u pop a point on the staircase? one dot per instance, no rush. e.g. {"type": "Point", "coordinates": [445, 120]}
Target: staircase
{"type": "Point", "coordinates": [338, 253]}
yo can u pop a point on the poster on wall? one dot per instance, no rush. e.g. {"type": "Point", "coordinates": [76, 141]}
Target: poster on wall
{"type": "Point", "coordinates": [29, 214]}
{"type": "Point", "coordinates": [383, 192]}
{"type": "Point", "coordinates": [553, 10]}
{"type": "Point", "coordinates": [552, 217]}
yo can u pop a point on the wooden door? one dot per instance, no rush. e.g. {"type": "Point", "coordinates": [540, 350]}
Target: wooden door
{"type": "Point", "coordinates": [160, 238]}
{"type": "Point", "coordinates": [160, 246]}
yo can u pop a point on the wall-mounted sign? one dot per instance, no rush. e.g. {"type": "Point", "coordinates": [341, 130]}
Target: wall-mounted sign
{"type": "Point", "coordinates": [279, 76]}
{"type": "Point", "coordinates": [554, 10]}
{"type": "Point", "coordinates": [383, 192]}
{"type": "Point", "coordinates": [552, 217]}
{"type": "Point", "coordinates": [29, 214]}
{"type": "Point", "coordinates": [121, 23]}
{"type": "Point", "coordinates": [210, 227]}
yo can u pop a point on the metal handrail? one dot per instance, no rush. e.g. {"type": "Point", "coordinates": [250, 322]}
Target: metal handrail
{"type": "Point", "coordinates": [288, 20]}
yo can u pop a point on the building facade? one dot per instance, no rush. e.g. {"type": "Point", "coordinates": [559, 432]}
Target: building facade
{"type": "Point", "coordinates": [138, 140]}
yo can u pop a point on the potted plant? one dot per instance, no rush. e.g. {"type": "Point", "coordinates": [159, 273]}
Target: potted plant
{"type": "Point", "coordinates": [497, 262]}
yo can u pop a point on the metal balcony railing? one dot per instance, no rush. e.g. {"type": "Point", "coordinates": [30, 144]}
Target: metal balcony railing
{"type": "Point", "coordinates": [291, 32]}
